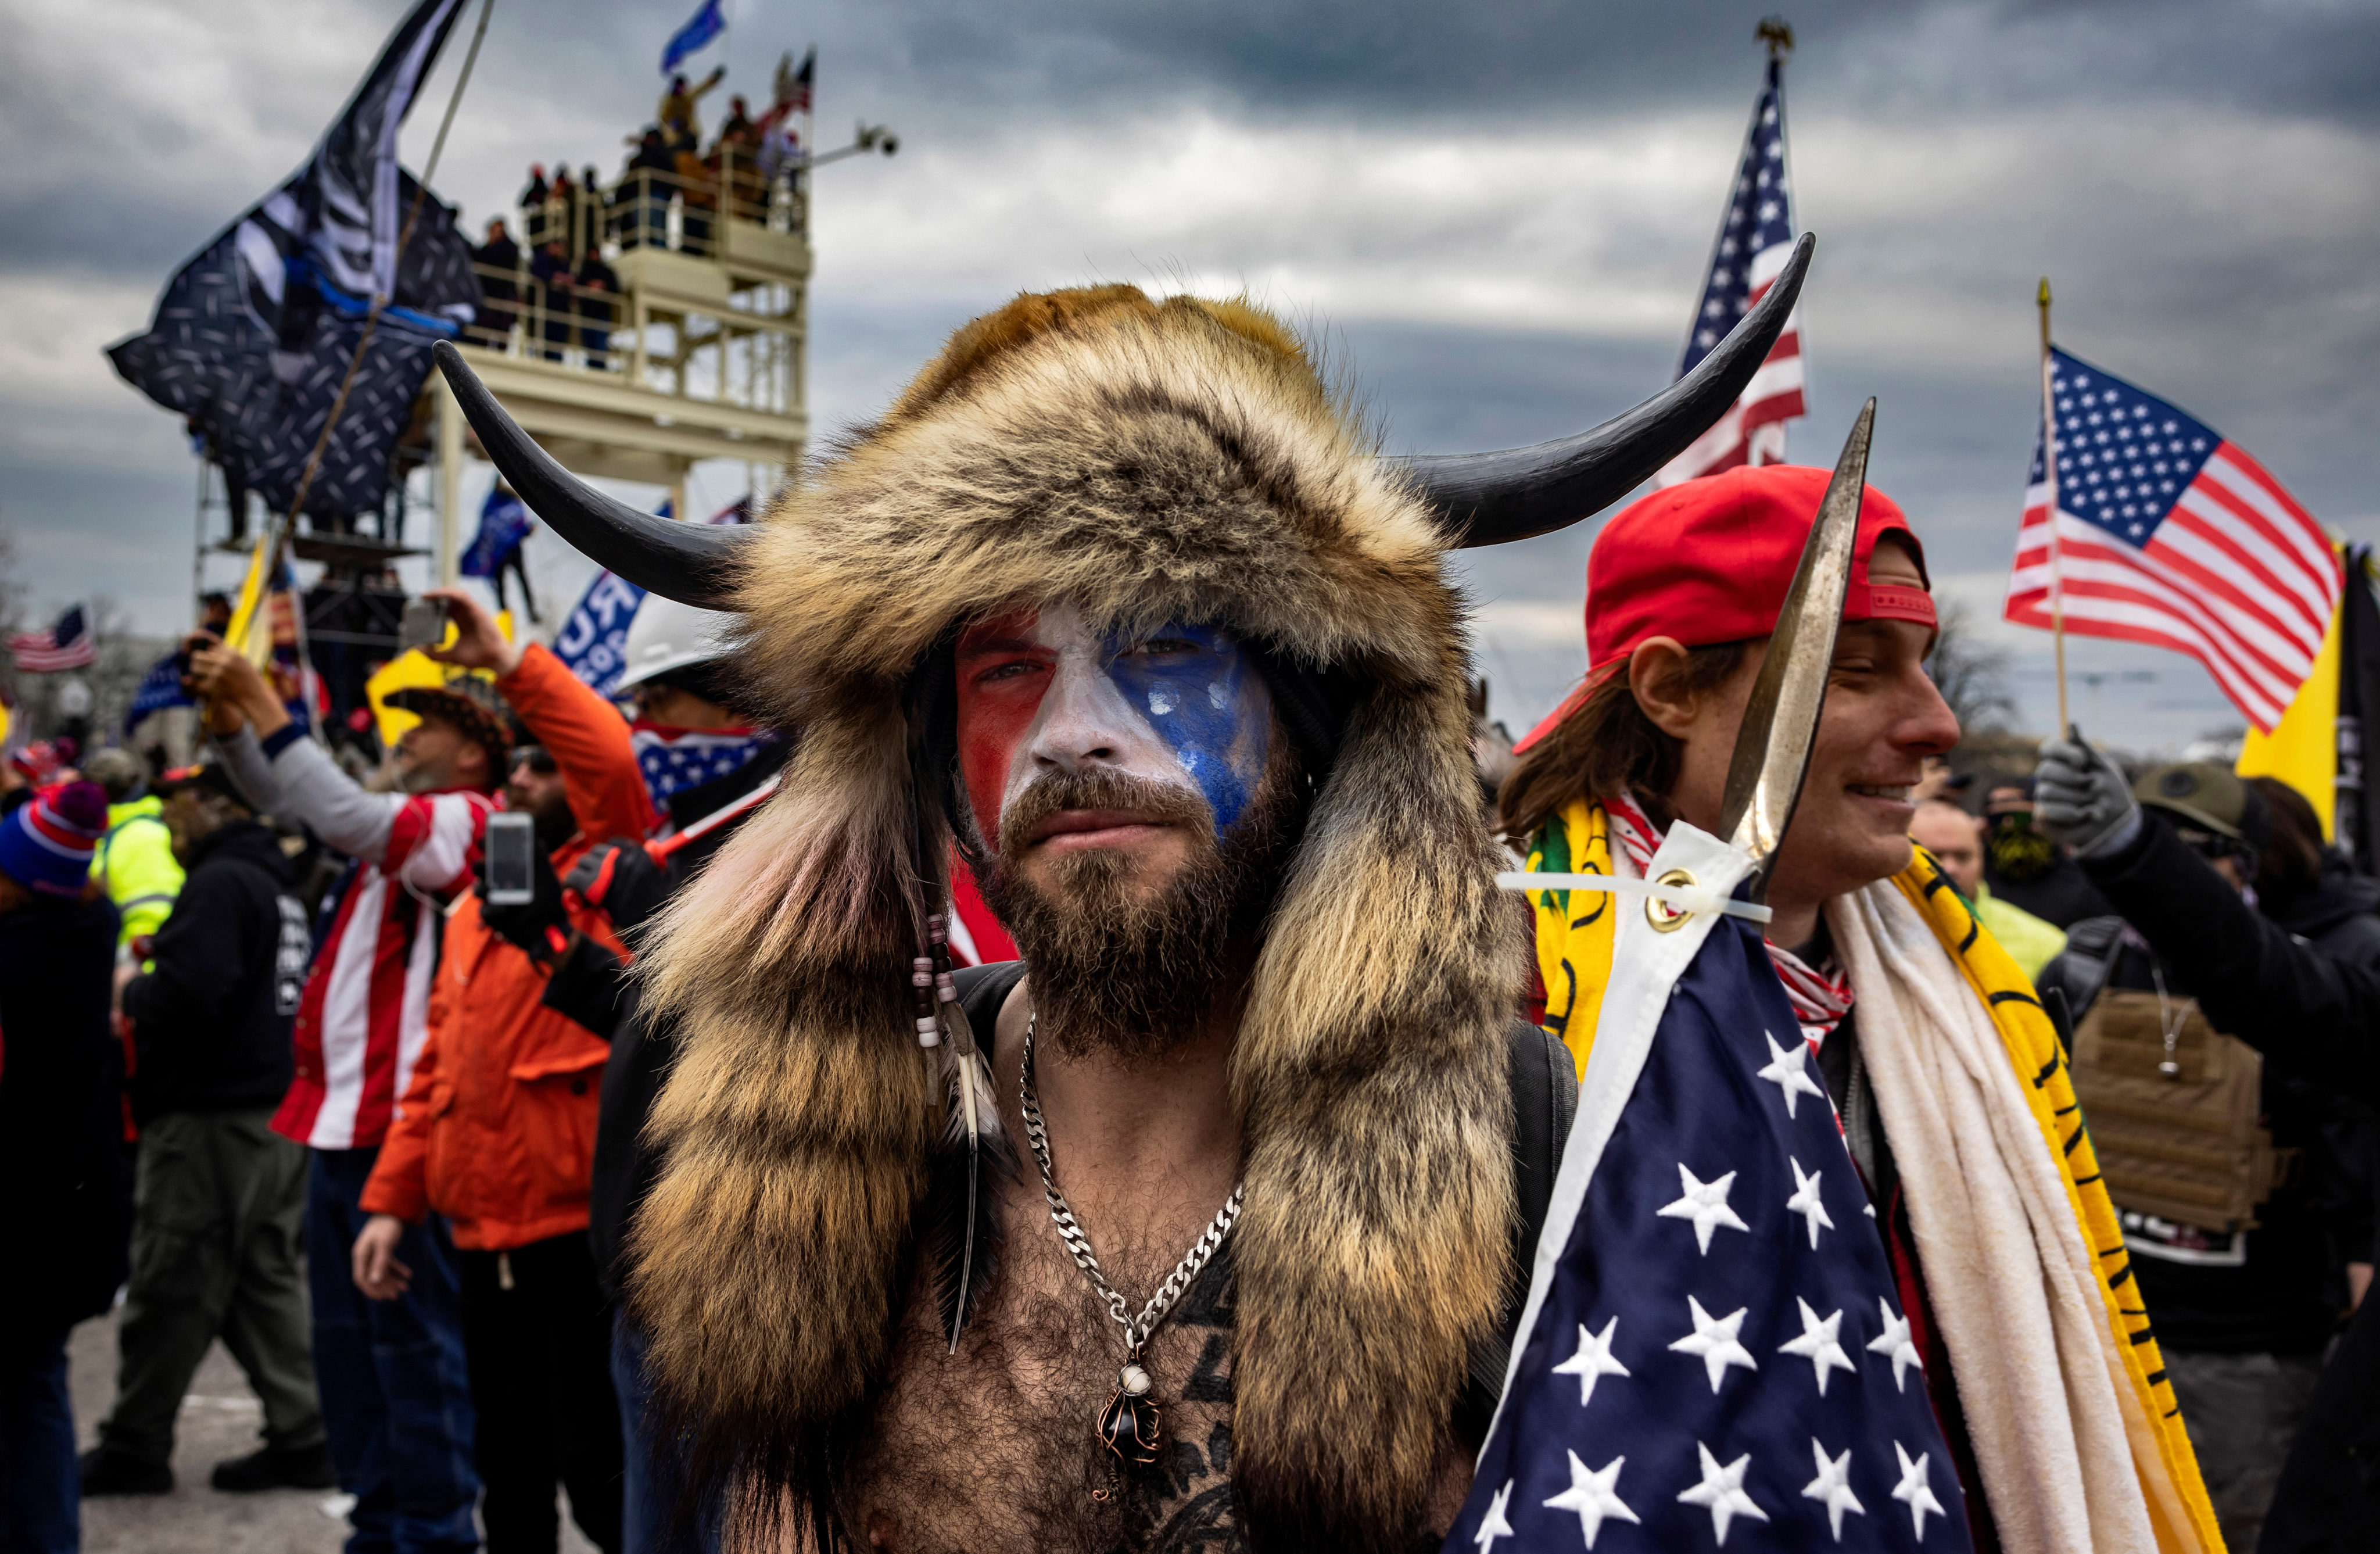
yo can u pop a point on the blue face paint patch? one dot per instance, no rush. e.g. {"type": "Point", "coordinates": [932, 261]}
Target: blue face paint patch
{"type": "Point", "coordinates": [1204, 700]}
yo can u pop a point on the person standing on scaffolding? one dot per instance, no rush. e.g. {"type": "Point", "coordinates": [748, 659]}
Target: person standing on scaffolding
{"type": "Point", "coordinates": [678, 122]}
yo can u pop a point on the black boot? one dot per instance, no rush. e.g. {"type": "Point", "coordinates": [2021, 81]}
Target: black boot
{"type": "Point", "coordinates": [273, 1467]}
{"type": "Point", "coordinates": [112, 1473]}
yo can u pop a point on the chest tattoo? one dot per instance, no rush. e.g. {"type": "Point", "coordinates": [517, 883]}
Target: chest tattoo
{"type": "Point", "coordinates": [986, 1450]}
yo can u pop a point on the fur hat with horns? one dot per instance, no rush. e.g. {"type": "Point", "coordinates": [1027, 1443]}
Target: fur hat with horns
{"type": "Point", "coordinates": [1143, 461]}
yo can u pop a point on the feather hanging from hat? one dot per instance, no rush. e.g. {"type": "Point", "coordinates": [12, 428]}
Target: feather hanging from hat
{"type": "Point", "coordinates": [962, 1234]}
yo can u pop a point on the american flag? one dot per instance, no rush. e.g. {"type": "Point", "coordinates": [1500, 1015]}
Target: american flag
{"type": "Point", "coordinates": [67, 645]}
{"type": "Point", "coordinates": [1714, 1349]}
{"type": "Point", "coordinates": [2171, 535]}
{"type": "Point", "coordinates": [1753, 243]}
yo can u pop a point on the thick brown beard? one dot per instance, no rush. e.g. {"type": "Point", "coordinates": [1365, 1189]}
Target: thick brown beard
{"type": "Point", "coordinates": [1117, 972]}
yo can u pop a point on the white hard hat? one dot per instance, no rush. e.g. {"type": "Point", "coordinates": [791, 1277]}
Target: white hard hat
{"type": "Point", "coordinates": [667, 635]}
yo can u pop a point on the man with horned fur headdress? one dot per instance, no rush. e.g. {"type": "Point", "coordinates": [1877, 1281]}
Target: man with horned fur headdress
{"type": "Point", "coordinates": [1115, 600]}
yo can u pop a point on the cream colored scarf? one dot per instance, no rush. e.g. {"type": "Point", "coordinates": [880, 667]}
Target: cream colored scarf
{"type": "Point", "coordinates": [2012, 1284]}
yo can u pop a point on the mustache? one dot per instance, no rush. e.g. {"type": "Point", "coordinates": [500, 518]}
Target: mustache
{"type": "Point", "coordinates": [1100, 788]}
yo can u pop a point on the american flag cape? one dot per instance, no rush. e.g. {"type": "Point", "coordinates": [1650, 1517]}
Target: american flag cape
{"type": "Point", "coordinates": [1713, 1353]}
{"type": "Point", "coordinates": [1754, 241]}
{"type": "Point", "coordinates": [2169, 534]}
{"type": "Point", "coordinates": [68, 644]}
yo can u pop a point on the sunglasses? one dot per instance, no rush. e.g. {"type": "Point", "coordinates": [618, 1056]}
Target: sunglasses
{"type": "Point", "coordinates": [536, 758]}
{"type": "Point", "coordinates": [2209, 845]}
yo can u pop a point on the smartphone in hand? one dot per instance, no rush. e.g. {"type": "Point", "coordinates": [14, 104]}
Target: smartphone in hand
{"type": "Point", "coordinates": [511, 846]}
{"type": "Point", "coordinates": [423, 623]}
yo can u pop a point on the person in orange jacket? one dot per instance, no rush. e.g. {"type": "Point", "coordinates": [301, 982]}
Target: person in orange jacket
{"type": "Point", "coordinates": [496, 1130]}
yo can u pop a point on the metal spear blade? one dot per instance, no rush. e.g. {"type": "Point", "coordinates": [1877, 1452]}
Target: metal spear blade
{"type": "Point", "coordinates": [1781, 720]}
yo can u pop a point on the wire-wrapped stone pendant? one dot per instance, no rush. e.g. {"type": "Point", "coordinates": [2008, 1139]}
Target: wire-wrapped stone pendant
{"type": "Point", "coordinates": [1129, 1424]}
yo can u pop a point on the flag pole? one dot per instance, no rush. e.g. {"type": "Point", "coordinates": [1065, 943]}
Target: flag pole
{"type": "Point", "coordinates": [2049, 470]}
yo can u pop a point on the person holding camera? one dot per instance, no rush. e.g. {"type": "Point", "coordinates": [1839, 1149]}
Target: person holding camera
{"type": "Point", "coordinates": [396, 1401]}
{"type": "Point", "coordinates": [373, 1027]}
{"type": "Point", "coordinates": [496, 1129]}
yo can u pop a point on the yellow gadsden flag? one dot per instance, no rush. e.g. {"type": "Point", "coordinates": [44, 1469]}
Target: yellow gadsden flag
{"type": "Point", "coordinates": [2303, 749]}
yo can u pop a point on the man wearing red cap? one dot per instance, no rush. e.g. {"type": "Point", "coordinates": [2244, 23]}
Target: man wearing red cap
{"type": "Point", "coordinates": [1927, 1039]}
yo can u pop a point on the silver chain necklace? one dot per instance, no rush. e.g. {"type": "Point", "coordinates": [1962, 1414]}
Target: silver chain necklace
{"type": "Point", "coordinates": [1128, 1426]}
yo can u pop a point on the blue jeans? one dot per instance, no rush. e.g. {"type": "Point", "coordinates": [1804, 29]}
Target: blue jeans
{"type": "Point", "coordinates": [40, 1489]}
{"type": "Point", "coordinates": [656, 1477]}
{"type": "Point", "coordinates": [397, 1397]}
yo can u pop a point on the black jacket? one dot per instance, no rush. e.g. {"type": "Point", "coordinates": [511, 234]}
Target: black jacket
{"type": "Point", "coordinates": [65, 1189]}
{"type": "Point", "coordinates": [2313, 1015]}
{"type": "Point", "coordinates": [2061, 895]}
{"type": "Point", "coordinates": [211, 1021]}
{"type": "Point", "coordinates": [588, 987]}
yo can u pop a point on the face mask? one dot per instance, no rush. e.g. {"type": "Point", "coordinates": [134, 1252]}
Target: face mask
{"type": "Point", "coordinates": [676, 758]}
{"type": "Point", "coordinates": [2016, 850]}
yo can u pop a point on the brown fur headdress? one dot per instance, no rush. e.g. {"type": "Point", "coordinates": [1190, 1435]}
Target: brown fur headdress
{"type": "Point", "coordinates": [1147, 462]}
{"type": "Point", "coordinates": [1143, 462]}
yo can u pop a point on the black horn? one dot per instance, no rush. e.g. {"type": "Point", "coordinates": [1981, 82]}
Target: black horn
{"type": "Point", "coordinates": [692, 563]}
{"type": "Point", "coordinates": [1488, 499]}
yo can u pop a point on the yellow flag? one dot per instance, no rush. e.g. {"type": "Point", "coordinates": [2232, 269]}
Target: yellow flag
{"type": "Point", "coordinates": [251, 632]}
{"type": "Point", "coordinates": [2303, 749]}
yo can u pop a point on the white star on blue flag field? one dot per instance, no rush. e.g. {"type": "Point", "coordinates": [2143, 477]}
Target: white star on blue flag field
{"type": "Point", "coordinates": [1720, 1358]}
{"type": "Point", "coordinates": [2124, 457]}
{"type": "Point", "coordinates": [1759, 216]}
{"type": "Point", "coordinates": [687, 758]}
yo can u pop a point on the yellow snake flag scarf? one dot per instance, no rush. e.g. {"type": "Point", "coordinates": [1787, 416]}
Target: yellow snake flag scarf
{"type": "Point", "coordinates": [1576, 936]}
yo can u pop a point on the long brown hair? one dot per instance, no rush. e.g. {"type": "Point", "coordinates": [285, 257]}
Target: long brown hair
{"type": "Point", "coordinates": [2288, 860]}
{"type": "Point", "coordinates": [1608, 744]}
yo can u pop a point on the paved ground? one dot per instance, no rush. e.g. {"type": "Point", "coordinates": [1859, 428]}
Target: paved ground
{"type": "Point", "coordinates": [219, 1420]}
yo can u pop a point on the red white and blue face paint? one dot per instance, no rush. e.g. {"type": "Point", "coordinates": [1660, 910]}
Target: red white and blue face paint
{"type": "Point", "coordinates": [1038, 692]}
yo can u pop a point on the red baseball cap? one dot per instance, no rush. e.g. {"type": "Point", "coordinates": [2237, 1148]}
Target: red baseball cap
{"type": "Point", "coordinates": [1710, 561]}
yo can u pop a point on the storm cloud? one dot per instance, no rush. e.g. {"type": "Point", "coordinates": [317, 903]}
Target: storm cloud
{"type": "Point", "coordinates": [1496, 218]}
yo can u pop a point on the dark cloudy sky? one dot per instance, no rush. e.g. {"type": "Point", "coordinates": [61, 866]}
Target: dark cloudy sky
{"type": "Point", "coordinates": [1496, 214]}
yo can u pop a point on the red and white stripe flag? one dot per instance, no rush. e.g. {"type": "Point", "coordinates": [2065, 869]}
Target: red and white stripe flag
{"type": "Point", "coordinates": [67, 645]}
{"type": "Point", "coordinates": [1753, 243]}
{"type": "Point", "coordinates": [2170, 535]}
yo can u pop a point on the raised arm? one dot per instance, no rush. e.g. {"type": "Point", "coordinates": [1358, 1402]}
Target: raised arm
{"type": "Point", "coordinates": [584, 733]}
{"type": "Point", "coordinates": [283, 772]}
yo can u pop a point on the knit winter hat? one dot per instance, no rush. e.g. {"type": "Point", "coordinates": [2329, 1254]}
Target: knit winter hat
{"type": "Point", "coordinates": [46, 843]}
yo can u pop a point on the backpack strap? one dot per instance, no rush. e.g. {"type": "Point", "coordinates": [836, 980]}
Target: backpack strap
{"type": "Point", "coordinates": [1544, 1103]}
{"type": "Point", "coordinates": [983, 988]}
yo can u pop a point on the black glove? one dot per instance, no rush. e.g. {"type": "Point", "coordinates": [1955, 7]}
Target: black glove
{"type": "Point", "coordinates": [620, 880]}
{"type": "Point", "coordinates": [539, 925]}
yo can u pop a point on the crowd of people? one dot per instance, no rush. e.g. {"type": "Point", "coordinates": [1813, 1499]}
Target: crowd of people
{"type": "Point", "coordinates": [554, 279]}
{"type": "Point", "coordinates": [624, 1181]}
{"type": "Point", "coordinates": [382, 1144]}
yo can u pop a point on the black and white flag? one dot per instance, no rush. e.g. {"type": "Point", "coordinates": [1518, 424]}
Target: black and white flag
{"type": "Point", "coordinates": [253, 336]}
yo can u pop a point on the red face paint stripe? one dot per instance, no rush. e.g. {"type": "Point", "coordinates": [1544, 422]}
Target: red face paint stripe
{"type": "Point", "coordinates": [995, 710]}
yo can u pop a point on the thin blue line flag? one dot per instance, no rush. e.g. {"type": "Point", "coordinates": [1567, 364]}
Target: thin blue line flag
{"type": "Point", "coordinates": [252, 338]}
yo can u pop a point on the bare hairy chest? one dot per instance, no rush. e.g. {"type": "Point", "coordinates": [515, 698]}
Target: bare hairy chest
{"type": "Point", "coordinates": [995, 1447]}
